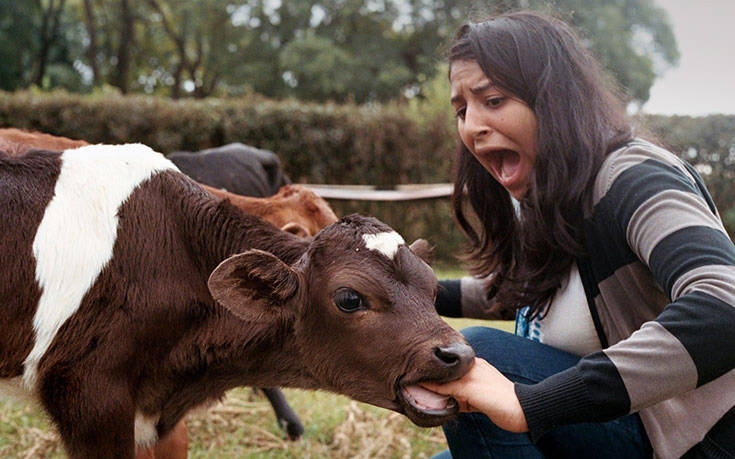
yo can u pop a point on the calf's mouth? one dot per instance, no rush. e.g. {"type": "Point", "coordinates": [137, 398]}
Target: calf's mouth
{"type": "Point", "coordinates": [424, 407]}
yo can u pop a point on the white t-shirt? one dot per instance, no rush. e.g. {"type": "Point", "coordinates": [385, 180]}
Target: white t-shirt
{"type": "Point", "coordinates": [567, 323]}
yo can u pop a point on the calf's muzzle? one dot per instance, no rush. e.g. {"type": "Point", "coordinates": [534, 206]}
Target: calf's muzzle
{"type": "Point", "coordinates": [457, 357]}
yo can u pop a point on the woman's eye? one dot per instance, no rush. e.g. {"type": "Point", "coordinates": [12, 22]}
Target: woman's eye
{"type": "Point", "coordinates": [494, 101]}
{"type": "Point", "coordinates": [461, 112]}
{"type": "Point", "coordinates": [348, 300]}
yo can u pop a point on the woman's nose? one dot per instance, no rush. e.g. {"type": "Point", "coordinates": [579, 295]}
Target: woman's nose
{"type": "Point", "coordinates": [474, 124]}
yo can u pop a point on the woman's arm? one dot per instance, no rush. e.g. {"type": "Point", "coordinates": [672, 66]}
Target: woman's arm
{"type": "Point", "coordinates": [651, 217]}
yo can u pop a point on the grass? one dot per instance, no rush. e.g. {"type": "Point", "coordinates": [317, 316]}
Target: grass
{"type": "Point", "coordinates": [243, 426]}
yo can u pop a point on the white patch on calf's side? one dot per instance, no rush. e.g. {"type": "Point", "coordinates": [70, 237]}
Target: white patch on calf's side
{"type": "Point", "coordinates": [75, 238]}
{"type": "Point", "coordinates": [146, 433]}
{"type": "Point", "coordinates": [386, 243]}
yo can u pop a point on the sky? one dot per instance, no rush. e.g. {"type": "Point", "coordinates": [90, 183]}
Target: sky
{"type": "Point", "coordinates": [704, 81]}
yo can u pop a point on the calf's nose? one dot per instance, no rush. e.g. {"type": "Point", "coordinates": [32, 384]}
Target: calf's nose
{"type": "Point", "coordinates": [456, 356]}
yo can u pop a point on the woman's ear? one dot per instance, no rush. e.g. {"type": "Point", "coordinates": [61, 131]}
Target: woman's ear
{"type": "Point", "coordinates": [254, 285]}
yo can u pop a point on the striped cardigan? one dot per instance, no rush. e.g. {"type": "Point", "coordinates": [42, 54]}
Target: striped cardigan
{"type": "Point", "coordinates": [660, 283]}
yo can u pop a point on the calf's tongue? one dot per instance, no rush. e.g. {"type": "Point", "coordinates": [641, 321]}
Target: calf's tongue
{"type": "Point", "coordinates": [509, 164]}
{"type": "Point", "coordinates": [426, 399]}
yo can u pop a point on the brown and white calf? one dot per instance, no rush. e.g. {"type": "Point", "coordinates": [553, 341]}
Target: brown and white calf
{"type": "Point", "coordinates": [294, 209]}
{"type": "Point", "coordinates": [129, 296]}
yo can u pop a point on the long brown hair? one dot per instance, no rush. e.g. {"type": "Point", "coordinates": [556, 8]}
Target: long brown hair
{"type": "Point", "coordinates": [541, 61]}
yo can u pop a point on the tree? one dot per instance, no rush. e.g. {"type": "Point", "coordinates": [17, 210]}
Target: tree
{"type": "Point", "coordinates": [37, 45]}
{"type": "Point", "coordinates": [632, 39]}
{"type": "Point", "coordinates": [360, 50]}
{"type": "Point", "coordinates": [92, 51]}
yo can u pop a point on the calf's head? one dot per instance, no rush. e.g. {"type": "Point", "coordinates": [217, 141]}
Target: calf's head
{"type": "Point", "coordinates": [362, 306]}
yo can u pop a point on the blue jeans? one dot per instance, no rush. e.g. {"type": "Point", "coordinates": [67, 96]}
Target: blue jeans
{"type": "Point", "coordinates": [473, 435]}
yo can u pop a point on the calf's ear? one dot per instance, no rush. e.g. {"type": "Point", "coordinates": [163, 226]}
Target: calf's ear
{"type": "Point", "coordinates": [254, 285]}
{"type": "Point", "coordinates": [423, 250]}
{"type": "Point", "coordinates": [295, 228]}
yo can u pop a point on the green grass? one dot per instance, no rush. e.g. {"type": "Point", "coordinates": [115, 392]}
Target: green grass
{"type": "Point", "coordinates": [243, 425]}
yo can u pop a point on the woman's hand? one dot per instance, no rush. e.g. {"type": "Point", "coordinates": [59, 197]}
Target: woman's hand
{"type": "Point", "coordinates": [486, 390]}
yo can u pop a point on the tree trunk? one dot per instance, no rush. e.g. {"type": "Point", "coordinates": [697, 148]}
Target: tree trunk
{"type": "Point", "coordinates": [176, 89]}
{"type": "Point", "coordinates": [48, 32]}
{"type": "Point", "coordinates": [120, 79]}
{"type": "Point", "coordinates": [92, 49]}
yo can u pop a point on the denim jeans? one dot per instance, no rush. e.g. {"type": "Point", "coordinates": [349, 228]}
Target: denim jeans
{"type": "Point", "coordinates": [473, 435]}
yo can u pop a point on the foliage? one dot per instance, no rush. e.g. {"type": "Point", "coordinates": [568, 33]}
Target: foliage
{"type": "Point", "coordinates": [632, 39]}
{"type": "Point", "coordinates": [319, 50]}
{"type": "Point", "coordinates": [330, 143]}
{"type": "Point", "coordinates": [708, 143]}
{"type": "Point", "coordinates": [38, 45]}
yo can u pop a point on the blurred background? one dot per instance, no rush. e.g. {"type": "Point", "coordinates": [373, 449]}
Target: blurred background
{"type": "Point", "coordinates": [345, 91]}
{"type": "Point", "coordinates": [350, 92]}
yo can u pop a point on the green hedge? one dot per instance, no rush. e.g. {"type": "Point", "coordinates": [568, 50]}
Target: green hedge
{"type": "Point", "coordinates": [337, 144]}
{"type": "Point", "coordinates": [380, 145]}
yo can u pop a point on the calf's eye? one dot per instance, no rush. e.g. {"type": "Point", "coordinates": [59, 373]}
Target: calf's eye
{"type": "Point", "coordinates": [348, 300]}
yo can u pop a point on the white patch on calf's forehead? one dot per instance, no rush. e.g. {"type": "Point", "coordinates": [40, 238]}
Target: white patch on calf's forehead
{"type": "Point", "coordinates": [386, 243]}
{"type": "Point", "coordinates": [77, 233]}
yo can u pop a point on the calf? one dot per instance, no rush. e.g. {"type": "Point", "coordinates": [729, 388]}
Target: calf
{"type": "Point", "coordinates": [294, 209]}
{"type": "Point", "coordinates": [130, 295]}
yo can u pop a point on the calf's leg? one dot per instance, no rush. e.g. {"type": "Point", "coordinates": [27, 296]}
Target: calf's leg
{"type": "Point", "coordinates": [174, 445]}
{"type": "Point", "coordinates": [95, 418]}
{"type": "Point", "coordinates": [287, 419]}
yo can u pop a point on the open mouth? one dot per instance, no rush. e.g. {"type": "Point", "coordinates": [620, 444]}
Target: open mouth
{"type": "Point", "coordinates": [505, 165]}
{"type": "Point", "coordinates": [424, 407]}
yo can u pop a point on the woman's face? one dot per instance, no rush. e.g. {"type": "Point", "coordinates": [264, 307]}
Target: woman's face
{"type": "Point", "coordinates": [498, 129]}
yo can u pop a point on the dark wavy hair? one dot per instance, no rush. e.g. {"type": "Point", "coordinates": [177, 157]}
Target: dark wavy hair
{"type": "Point", "coordinates": [541, 61]}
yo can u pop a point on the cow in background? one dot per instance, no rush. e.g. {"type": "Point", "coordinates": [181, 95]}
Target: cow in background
{"type": "Point", "coordinates": [16, 142]}
{"type": "Point", "coordinates": [235, 167]}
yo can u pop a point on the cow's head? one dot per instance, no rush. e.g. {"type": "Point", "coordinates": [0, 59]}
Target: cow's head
{"type": "Point", "coordinates": [300, 211]}
{"type": "Point", "coordinates": [362, 305]}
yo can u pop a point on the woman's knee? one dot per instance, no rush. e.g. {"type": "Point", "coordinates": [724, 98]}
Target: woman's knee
{"type": "Point", "coordinates": [490, 344]}
{"type": "Point", "coordinates": [481, 335]}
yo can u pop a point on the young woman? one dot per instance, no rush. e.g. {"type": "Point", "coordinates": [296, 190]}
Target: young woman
{"type": "Point", "coordinates": [609, 248]}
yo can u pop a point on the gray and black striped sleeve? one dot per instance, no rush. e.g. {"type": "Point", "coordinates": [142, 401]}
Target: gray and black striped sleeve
{"type": "Point", "coordinates": [658, 213]}
{"type": "Point", "coordinates": [465, 297]}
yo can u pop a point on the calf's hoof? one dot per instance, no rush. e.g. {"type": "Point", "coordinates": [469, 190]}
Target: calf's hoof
{"type": "Point", "coordinates": [293, 428]}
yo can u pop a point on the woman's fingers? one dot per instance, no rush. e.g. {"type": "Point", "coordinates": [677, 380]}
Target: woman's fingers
{"type": "Point", "coordinates": [485, 389]}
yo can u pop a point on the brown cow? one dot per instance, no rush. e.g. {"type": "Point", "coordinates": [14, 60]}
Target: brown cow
{"type": "Point", "coordinates": [16, 142]}
{"type": "Point", "coordinates": [294, 208]}
{"type": "Point", "coordinates": [129, 296]}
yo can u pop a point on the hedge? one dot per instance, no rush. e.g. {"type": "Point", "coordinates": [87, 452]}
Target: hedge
{"type": "Point", "coordinates": [337, 144]}
{"type": "Point", "coordinates": [379, 145]}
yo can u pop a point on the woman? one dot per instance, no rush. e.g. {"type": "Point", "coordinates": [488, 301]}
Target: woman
{"type": "Point", "coordinates": [613, 248]}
